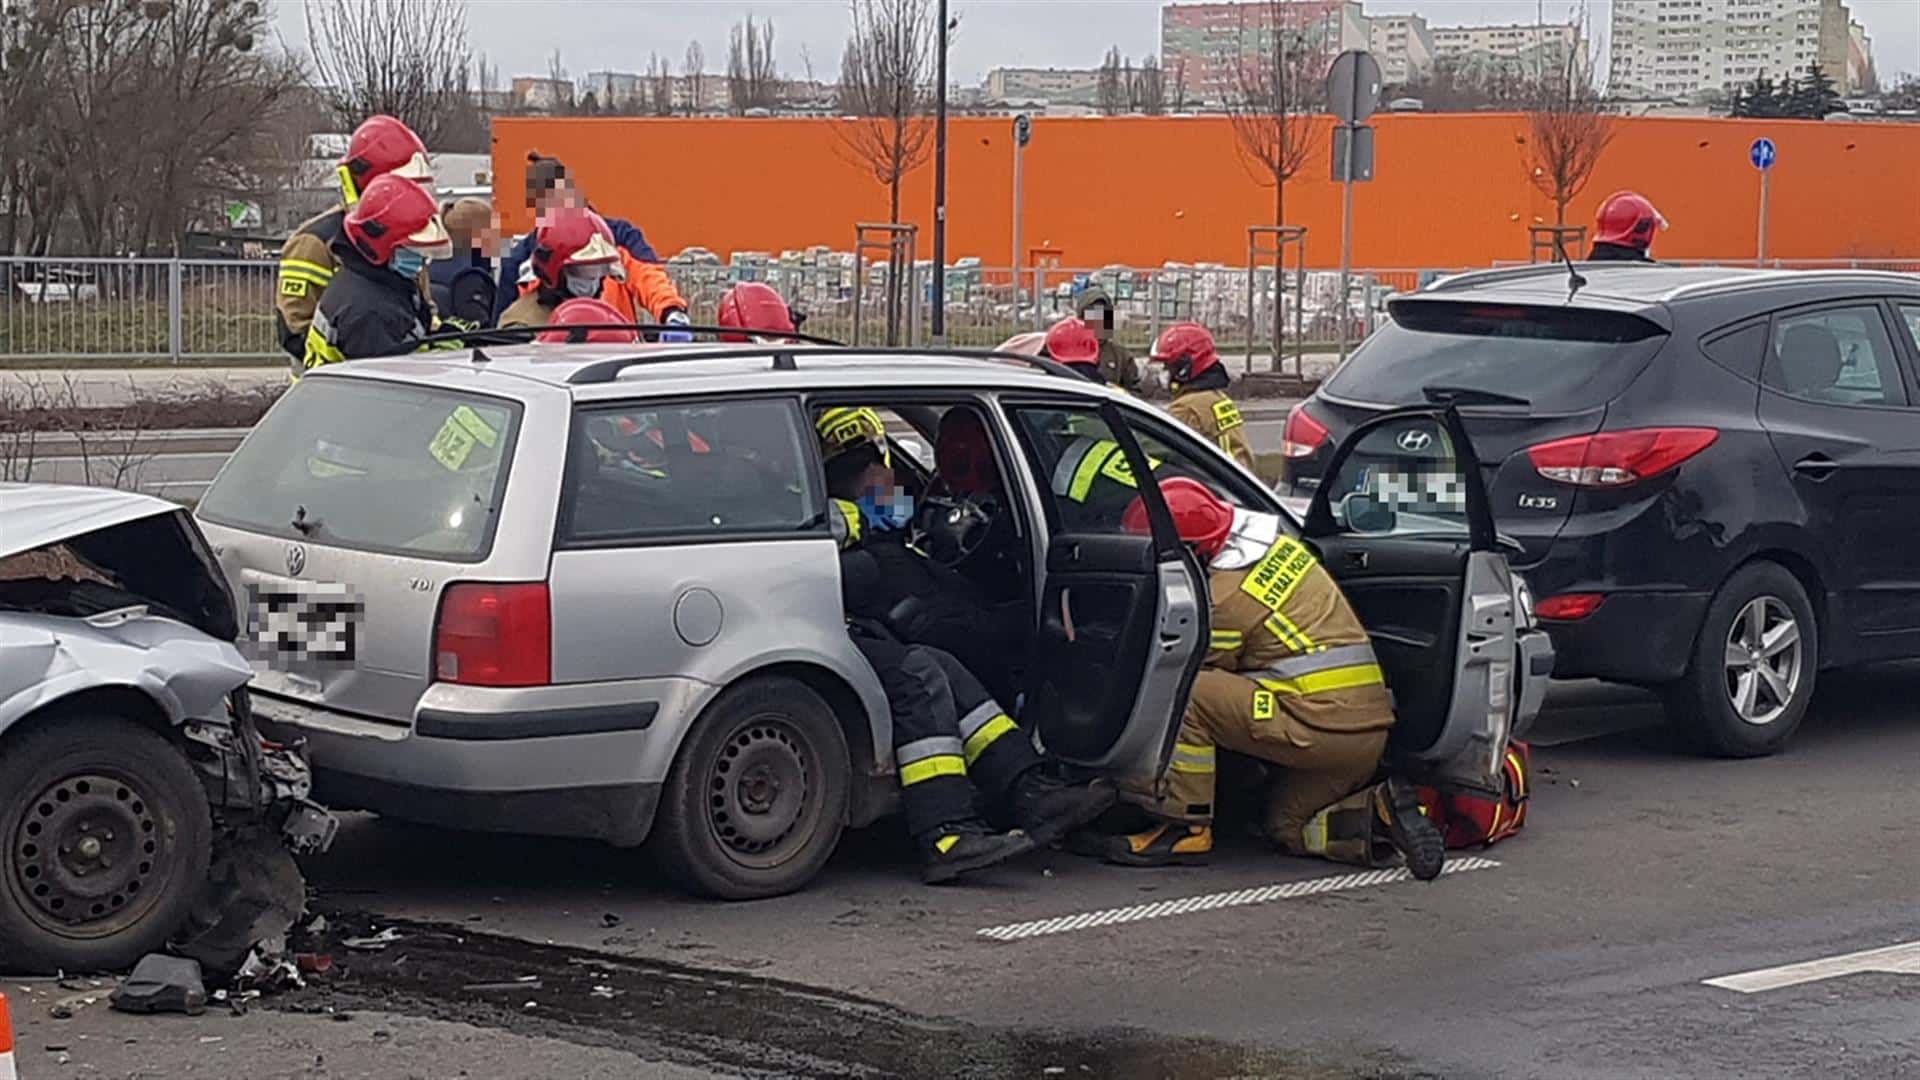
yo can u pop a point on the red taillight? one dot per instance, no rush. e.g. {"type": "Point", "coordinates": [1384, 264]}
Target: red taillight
{"type": "Point", "coordinates": [1568, 607]}
{"type": "Point", "coordinates": [494, 635]}
{"type": "Point", "coordinates": [1618, 458]}
{"type": "Point", "coordinates": [1303, 434]}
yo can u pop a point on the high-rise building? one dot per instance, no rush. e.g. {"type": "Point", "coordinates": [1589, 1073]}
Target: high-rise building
{"type": "Point", "coordinates": [1861, 76]}
{"type": "Point", "coordinates": [1207, 42]}
{"type": "Point", "coordinates": [1403, 44]}
{"type": "Point", "coordinates": [1693, 48]}
{"type": "Point", "coordinates": [1521, 48]}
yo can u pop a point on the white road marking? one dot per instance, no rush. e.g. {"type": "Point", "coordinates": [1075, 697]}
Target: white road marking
{"type": "Point", "coordinates": [1264, 894]}
{"type": "Point", "coordinates": [1892, 960]}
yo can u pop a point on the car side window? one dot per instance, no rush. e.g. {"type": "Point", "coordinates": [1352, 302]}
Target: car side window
{"type": "Point", "coordinates": [1836, 356]}
{"type": "Point", "coordinates": [1400, 478]}
{"type": "Point", "coordinates": [1910, 314]}
{"type": "Point", "coordinates": [1087, 481]}
{"type": "Point", "coordinates": [1739, 351]}
{"type": "Point", "coordinates": [638, 472]}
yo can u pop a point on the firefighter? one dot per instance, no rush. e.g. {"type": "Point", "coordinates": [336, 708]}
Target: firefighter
{"type": "Point", "coordinates": [756, 311]}
{"type": "Point", "coordinates": [574, 255]}
{"type": "Point", "coordinates": [1291, 680]}
{"type": "Point", "coordinates": [380, 146]}
{"type": "Point", "coordinates": [374, 305]}
{"type": "Point", "coordinates": [1072, 343]}
{"type": "Point", "coordinates": [951, 735]}
{"type": "Point", "coordinates": [569, 322]}
{"type": "Point", "coordinates": [1624, 228]}
{"type": "Point", "coordinates": [1117, 366]}
{"type": "Point", "coordinates": [1199, 380]}
{"type": "Point", "coordinates": [549, 186]}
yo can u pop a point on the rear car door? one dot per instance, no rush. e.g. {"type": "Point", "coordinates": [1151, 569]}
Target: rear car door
{"type": "Point", "coordinates": [1123, 618]}
{"type": "Point", "coordinates": [1401, 521]}
{"type": "Point", "coordinates": [1836, 402]}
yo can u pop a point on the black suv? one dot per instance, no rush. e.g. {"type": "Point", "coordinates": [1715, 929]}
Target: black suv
{"type": "Point", "coordinates": [1710, 476]}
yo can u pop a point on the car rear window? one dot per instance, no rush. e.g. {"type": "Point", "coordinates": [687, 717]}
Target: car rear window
{"type": "Point", "coordinates": [374, 466]}
{"type": "Point", "coordinates": [1556, 359]}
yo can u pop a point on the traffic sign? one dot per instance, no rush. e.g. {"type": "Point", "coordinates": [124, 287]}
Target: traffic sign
{"type": "Point", "coordinates": [1023, 129]}
{"type": "Point", "coordinates": [1358, 167]}
{"type": "Point", "coordinates": [1763, 154]}
{"type": "Point", "coordinates": [1353, 86]}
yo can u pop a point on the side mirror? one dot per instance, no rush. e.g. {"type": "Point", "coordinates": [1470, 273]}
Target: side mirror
{"type": "Point", "coordinates": [1363, 512]}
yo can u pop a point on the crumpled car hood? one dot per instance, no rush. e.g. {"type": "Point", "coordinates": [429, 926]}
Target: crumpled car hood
{"type": "Point", "coordinates": [35, 515]}
{"type": "Point", "coordinates": [47, 657]}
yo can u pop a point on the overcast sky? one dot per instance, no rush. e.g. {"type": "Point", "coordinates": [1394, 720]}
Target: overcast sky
{"type": "Point", "coordinates": [618, 35]}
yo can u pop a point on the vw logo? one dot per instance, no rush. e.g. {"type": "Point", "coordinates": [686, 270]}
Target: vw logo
{"type": "Point", "coordinates": [296, 559]}
{"type": "Point", "coordinates": [1413, 440]}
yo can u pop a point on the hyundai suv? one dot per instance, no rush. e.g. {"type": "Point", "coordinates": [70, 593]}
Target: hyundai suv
{"type": "Point", "coordinates": [1709, 477]}
{"type": "Point", "coordinates": [592, 590]}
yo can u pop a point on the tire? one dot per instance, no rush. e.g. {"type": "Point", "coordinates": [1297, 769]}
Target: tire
{"type": "Point", "coordinates": [1709, 705]}
{"type": "Point", "coordinates": [100, 816]}
{"type": "Point", "coordinates": [757, 797]}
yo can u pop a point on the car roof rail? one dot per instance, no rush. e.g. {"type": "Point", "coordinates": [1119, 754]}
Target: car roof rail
{"type": "Point", "coordinates": [649, 332]}
{"type": "Point", "coordinates": [786, 358]}
{"type": "Point", "coordinates": [1471, 278]}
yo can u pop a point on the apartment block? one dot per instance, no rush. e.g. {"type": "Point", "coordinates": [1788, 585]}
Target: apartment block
{"type": "Point", "coordinates": [1692, 48]}
{"type": "Point", "coordinates": [1208, 41]}
{"type": "Point", "coordinates": [1519, 47]}
{"type": "Point", "coordinates": [1403, 44]}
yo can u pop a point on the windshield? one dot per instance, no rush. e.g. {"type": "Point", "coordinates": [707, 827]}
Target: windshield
{"type": "Point", "coordinates": [374, 466]}
{"type": "Point", "coordinates": [1547, 359]}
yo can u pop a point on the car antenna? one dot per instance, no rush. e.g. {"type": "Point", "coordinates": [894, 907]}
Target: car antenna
{"type": "Point", "coordinates": [1574, 280]}
{"type": "Point", "coordinates": [480, 356]}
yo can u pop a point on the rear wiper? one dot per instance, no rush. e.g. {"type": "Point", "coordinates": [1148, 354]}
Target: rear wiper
{"type": "Point", "coordinates": [303, 524]}
{"type": "Point", "coordinates": [1469, 395]}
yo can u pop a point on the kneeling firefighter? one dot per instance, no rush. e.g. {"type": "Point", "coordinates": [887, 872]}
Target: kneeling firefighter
{"type": "Point", "coordinates": [951, 736]}
{"type": "Point", "coordinates": [1199, 382]}
{"type": "Point", "coordinates": [1291, 680]}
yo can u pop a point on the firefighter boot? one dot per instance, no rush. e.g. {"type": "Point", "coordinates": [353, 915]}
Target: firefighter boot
{"type": "Point", "coordinates": [958, 847]}
{"type": "Point", "coordinates": [1047, 809]}
{"type": "Point", "coordinates": [1166, 843]}
{"type": "Point", "coordinates": [1398, 813]}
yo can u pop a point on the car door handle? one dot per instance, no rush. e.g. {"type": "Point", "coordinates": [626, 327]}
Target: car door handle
{"type": "Point", "coordinates": [1816, 466]}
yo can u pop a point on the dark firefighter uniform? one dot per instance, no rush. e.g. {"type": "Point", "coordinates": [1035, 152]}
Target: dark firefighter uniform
{"type": "Point", "coordinates": [1208, 410]}
{"type": "Point", "coordinates": [1290, 679]}
{"type": "Point", "coordinates": [308, 264]}
{"type": "Point", "coordinates": [366, 311]}
{"type": "Point", "coordinates": [1094, 482]}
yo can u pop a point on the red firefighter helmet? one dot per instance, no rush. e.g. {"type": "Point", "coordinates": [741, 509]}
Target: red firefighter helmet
{"type": "Point", "coordinates": [1187, 349]}
{"type": "Point", "coordinates": [382, 146]}
{"type": "Point", "coordinates": [1202, 518]}
{"type": "Point", "coordinates": [393, 213]}
{"type": "Point", "coordinates": [1072, 341]}
{"type": "Point", "coordinates": [586, 311]}
{"type": "Point", "coordinates": [1027, 344]}
{"type": "Point", "coordinates": [755, 309]}
{"type": "Point", "coordinates": [1626, 218]}
{"type": "Point", "coordinates": [567, 236]}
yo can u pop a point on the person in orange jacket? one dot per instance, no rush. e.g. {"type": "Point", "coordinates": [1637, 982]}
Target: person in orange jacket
{"type": "Point", "coordinates": [574, 255]}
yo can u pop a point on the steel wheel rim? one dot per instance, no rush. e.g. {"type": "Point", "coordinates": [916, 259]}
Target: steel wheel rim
{"type": "Point", "coordinates": [1764, 660]}
{"type": "Point", "coordinates": [763, 793]}
{"type": "Point", "coordinates": [90, 855]}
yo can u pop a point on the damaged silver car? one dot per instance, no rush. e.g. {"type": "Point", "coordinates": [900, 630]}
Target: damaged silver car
{"type": "Point", "coordinates": [139, 807]}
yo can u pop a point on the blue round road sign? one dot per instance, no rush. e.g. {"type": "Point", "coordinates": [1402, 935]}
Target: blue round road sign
{"type": "Point", "coordinates": [1762, 154]}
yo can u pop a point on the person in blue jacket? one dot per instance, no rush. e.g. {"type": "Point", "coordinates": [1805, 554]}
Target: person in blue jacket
{"type": "Point", "coordinates": [548, 185]}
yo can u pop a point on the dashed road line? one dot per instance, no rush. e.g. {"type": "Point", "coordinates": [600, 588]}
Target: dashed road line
{"type": "Point", "coordinates": [1892, 960]}
{"type": "Point", "coordinates": [1264, 894]}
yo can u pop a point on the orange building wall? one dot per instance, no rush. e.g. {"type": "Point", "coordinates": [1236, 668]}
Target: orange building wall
{"type": "Point", "coordinates": [1451, 190]}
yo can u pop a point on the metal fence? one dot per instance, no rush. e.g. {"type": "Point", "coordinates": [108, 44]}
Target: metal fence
{"type": "Point", "coordinates": [204, 310]}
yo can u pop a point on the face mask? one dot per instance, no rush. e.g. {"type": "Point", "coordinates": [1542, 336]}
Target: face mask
{"type": "Point", "coordinates": [585, 280]}
{"type": "Point", "coordinates": [888, 509]}
{"type": "Point", "coordinates": [407, 262]}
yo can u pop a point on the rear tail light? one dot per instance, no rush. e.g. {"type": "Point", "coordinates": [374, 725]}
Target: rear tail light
{"type": "Point", "coordinates": [1303, 434]}
{"type": "Point", "coordinates": [1569, 607]}
{"type": "Point", "coordinates": [493, 634]}
{"type": "Point", "coordinates": [1618, 458]}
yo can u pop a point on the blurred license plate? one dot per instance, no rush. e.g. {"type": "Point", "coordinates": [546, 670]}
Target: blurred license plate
{"type": "Point", "coordinates": [320, 621]}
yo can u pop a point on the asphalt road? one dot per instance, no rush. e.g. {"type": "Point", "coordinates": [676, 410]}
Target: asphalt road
{"type": "Point", "coordinates": [1577, 949]}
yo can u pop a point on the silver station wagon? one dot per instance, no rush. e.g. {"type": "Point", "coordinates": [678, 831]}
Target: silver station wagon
{"type": "Point", "coordinates": [592, 590]}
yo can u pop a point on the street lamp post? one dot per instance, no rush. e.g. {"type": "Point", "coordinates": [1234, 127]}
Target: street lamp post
{"type": "Point", "coordinates": [940, 185]}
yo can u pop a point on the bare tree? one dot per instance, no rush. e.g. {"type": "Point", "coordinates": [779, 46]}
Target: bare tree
{"type": "Point", "coordinates": [1110, 93]}
{"type": "Point", "coordinates": [1568, 126]}
{"type": "Point", "coordinates": [696, 75]}
{"type": "Point", "coordinates": [1276, 88]}
{"type": "Point", "coordinates": [1180, 85]}
{"type": "Point", "coordinates": [658, 98]}
{"type": "Point", "coordinates": [406, 58]}
{"type": "Point", "coordinates": [885, 72]}
{"type": "Point", "coordinates": [559, 83]}
{"type": "Point", "coordinates": [1149, 88]}
{"type": "Point", "coordinates": [753, 76]}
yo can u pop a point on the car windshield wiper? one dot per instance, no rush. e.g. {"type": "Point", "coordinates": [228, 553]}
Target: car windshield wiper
{"type": "Point", "coordinates": [301, 523]}
{"type": "Point", "coordinates": [1469, 395]}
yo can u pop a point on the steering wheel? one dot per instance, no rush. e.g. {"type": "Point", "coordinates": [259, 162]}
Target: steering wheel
{"type": "Point", "coordinates": [950, 528]}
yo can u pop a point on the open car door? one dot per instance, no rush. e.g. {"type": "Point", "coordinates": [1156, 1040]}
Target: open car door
{"type": "Point", "coordinates": [1123, 618]}
{"type": "Point", "coordinates": [1401, 521]}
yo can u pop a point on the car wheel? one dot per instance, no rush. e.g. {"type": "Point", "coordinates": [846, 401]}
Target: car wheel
{"type": "Point", "coordinates": [1753, 667]}
{"type": "Point", "coordinates": [756, 799]}
{"type": "Point", "coordinates": [107, 842]}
